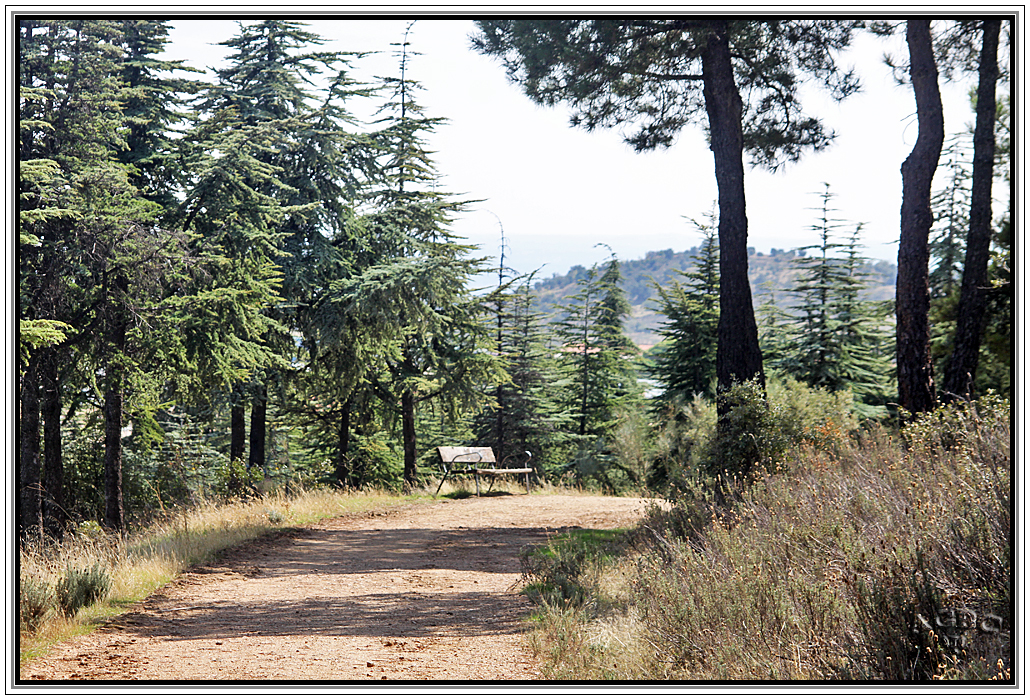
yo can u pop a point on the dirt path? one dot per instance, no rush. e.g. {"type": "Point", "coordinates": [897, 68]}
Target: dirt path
{"type": "Point", "coordinates": [423, 593]}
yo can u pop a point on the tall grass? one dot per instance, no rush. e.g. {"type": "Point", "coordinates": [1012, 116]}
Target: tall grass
{"type": "Point", "coordinates": [887, 557]}
{"type": "Point", "coordinates": [69, 587]}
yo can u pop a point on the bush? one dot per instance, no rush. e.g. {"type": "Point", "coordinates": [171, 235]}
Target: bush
{"type": "Point", "coordinates": [870, 555]}
{"type": "Point", "coordinates": [756, 434]}
{"type": "Point", "coordinates": [82, 586]}
{"type": "Point", "coordinates": [564, 572]}
{"type": "Point", "coordinates": [36, 601]}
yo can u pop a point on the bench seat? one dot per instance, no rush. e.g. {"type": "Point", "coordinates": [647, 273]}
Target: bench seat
{"type": "Point", "coordinates": [478, 461]}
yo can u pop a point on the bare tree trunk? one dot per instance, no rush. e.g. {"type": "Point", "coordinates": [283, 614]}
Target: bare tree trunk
{"type": "Point", "coordinates": [409, 438]}
{"type": "Point", "coordinates": [114, 509]}
{"type": "Point", "coordinates": [237, 429]}
{"type": "Point", "coordinates": [961, 369]}
{"type": "Point", "coordinates": [915, 367]}
{"type": "Point", "coordinates": [258, 423]}
{"type": "Point", "coordinates": [739, 357]}
{"type": "Point", "coordinates": [342, 473]}
{"type": "Point", "coordinates": [55, 512]}
{"type": "Point", "coordinates": [237, 440]}
{"type": "Point", "coordinates": [30, 522]}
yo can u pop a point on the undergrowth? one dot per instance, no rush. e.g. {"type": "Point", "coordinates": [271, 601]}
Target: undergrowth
{"type": "Point", "coordinates": [877, 555]}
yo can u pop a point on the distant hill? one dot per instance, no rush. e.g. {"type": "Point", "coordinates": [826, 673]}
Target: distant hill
{"type": "Point", "coordinates": [769, 273]}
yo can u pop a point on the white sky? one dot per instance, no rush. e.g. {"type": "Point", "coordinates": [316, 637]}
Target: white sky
{"type": "Point", "coordinates": [559, 191]}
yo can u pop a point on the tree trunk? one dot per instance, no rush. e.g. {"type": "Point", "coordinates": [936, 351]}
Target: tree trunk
{"type": "Point", "coordinates": [739, 357]}
{"type": "Point", "coordinates": [915, 367]}
{"type": "Point", "coordinates": [409, 438]}
{"type": "Point", "coordinates": [29, 494]}
{"type": "Point", "coordinates": [342, 473]}
{"type": "Point", "coordinates": [114, 509]}
{"type": "Point", "coordinates": [237, 429]}
{"type": "Point", "coordinates": [55, 512]}
{"type": "Point", "coordinates": [961, 369]}
{"type": "Point", "coordinates": [237, 441]}
{"type": "Point", "coordinates": [258, 423]}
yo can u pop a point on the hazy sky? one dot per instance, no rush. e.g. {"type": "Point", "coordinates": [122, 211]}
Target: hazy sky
{"type": "Point", "coordinates": [558, 191]}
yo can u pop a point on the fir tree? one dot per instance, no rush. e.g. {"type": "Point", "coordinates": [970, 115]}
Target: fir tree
{"type": "Point", "coordinates": [684, 362]}
{"type": "Point", "coordinates": [834, 338]}
{"type": "Point", "coordinates": [432, 345]}
{"type": "Point", "coordinates": [596, 354]}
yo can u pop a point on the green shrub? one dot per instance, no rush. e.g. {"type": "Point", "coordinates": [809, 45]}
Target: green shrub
{"type": "Point", "coordinates": [81, 586]}
{"type": "Point", "coordinates": [756, 434]}
{"type": "Point", "coordinates": [564, 572]}
{"type": "Point", "coordinates": [757, 431]}
{"type": "Point", "coordinates": [36, 601]}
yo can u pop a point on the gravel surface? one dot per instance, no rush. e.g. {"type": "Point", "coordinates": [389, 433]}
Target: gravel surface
{"type": "Point", "coordinates": [424, 592]}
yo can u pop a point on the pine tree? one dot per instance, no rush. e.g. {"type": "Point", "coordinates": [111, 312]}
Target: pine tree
{"type": "Point", "coordinates": [526, 417]}
{"type": "Point", "coordinates": [659, 75]}
{"type": "Point", "coordinates": [916, 390]}
{"type": "Point", "coordinates": [960, 373]}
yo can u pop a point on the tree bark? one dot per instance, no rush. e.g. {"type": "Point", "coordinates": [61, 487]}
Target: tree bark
{"type": "Point", "coordinates": [738, 357]}
{"type": "Point", "coordinates": [55, 512]}
{"type": "Point", "coordinates": [342, 473]}
{"type": "Point", "coordinates": [961, 369]}
{"type": "Point", "coordinates": [237, 441]}
{"type": "Point", "coordinates": [915, 367]}
{"type": "Point", "coordinates": [30, 522]}
{"type": "Point", "coordinates": [258, 427]}
{"type": "Point", "coordinates": [237, 429]}
{"type": "Point", "coordinates": [114, 509]}
{"type": "Point", "coordinates": [409, 438]}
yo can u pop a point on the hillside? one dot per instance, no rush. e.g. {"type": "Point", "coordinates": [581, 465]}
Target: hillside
{"type": "Point", "coordinates": [769, 272]}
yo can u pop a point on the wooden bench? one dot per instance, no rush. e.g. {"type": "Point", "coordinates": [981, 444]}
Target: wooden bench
{"type": "Point", "coordinates": [473, 457]}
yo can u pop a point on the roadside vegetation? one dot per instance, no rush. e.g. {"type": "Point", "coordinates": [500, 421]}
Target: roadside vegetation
{"type": "Point", "coordinates": [846, 555]}
{"type": "Point", "coordinates": [70, 587]}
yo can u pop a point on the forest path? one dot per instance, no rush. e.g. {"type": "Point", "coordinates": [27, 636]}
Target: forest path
{"type": "Point", "coordinates": [424, 592]}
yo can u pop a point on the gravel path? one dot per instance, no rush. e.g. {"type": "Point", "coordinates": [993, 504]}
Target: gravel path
{"type": "Point", "coordinates": [426, 592]}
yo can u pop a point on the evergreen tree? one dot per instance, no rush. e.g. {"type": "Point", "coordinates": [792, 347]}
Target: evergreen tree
{"type": "Point", "coordinates": [658, 75]}
{"type": "Point", "coordinates": [914, 364]}
{"type": "Point", "coordinates": [596, 354]}
{"type": "Point", "coordinates": [960, 373]}
{"type": "Point", "coordinates": [433, 345]}
{"type": "Point", "coordinates": [93, 257]}
{"type": "Point", "coordinates": [684, 362]}
{"type": "Point", "coordinates": [813, 353]}
{"type": "Point", "coordinates": [834, 339]}
{"type": "Point", "coordinates": [526, 417]}
{"type": "Point", "coordinates": [947, 248]}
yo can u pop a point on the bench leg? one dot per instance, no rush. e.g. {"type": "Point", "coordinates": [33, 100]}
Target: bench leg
{"type": "Point", "coordinates": [477, 482]}
{"type": "Point", "coordinates": [446, 473]}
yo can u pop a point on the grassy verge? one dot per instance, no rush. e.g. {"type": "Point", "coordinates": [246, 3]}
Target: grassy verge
{"type": "Point", "coordinates": [70, 588]}
{"type": "Point", "coordinates": [888, 558]}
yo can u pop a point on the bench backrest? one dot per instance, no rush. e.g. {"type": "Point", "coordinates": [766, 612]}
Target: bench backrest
{"type": "Point", "coordinates": [475, 455]}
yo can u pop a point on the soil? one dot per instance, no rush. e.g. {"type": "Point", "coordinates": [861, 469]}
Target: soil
{"type": "Point", "coordinates": [424, 592]}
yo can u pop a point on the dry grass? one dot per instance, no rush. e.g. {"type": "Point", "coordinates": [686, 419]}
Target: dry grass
{"type": "Point", "coordinates": [867, 564]}
{"type": "Point", "coordinates": [140, 563]}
